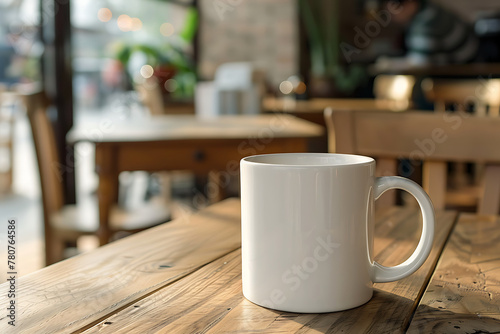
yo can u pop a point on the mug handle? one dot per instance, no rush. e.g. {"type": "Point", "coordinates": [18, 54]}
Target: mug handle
{"type": "Point", "coordinates": [380, 273]}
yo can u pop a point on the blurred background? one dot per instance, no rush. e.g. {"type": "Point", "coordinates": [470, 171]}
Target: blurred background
{"type": "Point", "coordinates": [105, 58]}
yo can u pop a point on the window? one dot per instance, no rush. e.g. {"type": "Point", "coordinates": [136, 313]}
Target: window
{"type": "Point", "coordinates": [117, 43]}
{"type": "Point", "coordinates": [20, 48]}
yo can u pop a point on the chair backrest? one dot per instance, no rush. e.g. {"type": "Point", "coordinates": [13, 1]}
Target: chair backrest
{"type": "Point", "coordinates": [37, 105]}
{"type": "Point", "coordinates": [483, 94]}
{"type": "Point", "coordinates": [394, 88]}
{"type": "Point", "coordinates": [422, 137]}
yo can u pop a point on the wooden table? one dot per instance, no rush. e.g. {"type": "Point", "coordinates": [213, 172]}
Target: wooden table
{"type": "Point", "coordinates": [185, 277]}
{"type": "Point", "coordinates": [184, 142]}
{"type": "Point", "coordinates": [312, 111]}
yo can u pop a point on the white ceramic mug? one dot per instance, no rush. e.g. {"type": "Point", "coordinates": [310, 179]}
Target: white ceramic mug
{"type": "Point", "coordinates": [307, 230]}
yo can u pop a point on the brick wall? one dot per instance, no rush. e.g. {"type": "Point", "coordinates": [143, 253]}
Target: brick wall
{"type": "Point", "coordinates": [261, 31]}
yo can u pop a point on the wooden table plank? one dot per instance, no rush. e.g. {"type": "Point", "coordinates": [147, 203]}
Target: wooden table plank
{"type": "Point", "coordinates": [74, 294]}
{"type": "Point", "coordinates": [191, 127]}
{"type": "Point", "coordinates": [210, 300]}
{"type": "Point", "coordinates": [464, 293]}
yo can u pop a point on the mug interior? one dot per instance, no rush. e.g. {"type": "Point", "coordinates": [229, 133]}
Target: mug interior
{"type": "Point", "coordinates": [309, 159]}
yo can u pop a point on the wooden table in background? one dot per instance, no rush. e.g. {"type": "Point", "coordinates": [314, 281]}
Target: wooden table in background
{"type": "Point", "coordinates": [184, 142]}
{"type": "Point", "coordinates": [185, 277]}
{"type": "Point", "coordinates": [312, 111]}
{"type": "Point", "coordinates": [474, 70]}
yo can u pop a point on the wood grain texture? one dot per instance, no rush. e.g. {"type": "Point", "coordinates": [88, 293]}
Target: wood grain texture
{"type": "Point", "coordinates": [210, 300]}
{"type": "Point", "coordinates": [464, 293]}
{"type": "Point", "coordinates": [75, 294]}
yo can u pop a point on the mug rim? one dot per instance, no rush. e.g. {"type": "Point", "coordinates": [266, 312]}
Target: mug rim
{"type": "Point", "coordinates": [357, 160]}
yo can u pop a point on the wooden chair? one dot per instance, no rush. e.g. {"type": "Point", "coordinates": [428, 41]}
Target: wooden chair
{"type": "Point", "coordinates": [432, 138]}
{"type": "Point", "coordinates": [65, 223]}
{"type": "Point", "coordinates": [482, 94]}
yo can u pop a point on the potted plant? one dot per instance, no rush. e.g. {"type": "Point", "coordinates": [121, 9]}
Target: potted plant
{"type": "Point", "coordinates": [166, 62]}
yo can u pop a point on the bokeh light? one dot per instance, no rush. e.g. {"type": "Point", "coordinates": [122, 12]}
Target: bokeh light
{"type": "Point", "coordinates": [124, 22]}
{"type": "Point", "coordinates": [104, 14]}
{"type": "Point", "coordinates": [135, 24]}
{"type": "Point", "coordinates": [171, 85]}
{"type": "Point", "coordinates": [300, 88]}
{"type": "Point", "coordinates": [147, 71]}
{"type": "Point", "coordinates": [399, 88]}
{"type": "Point", "coordinates": [167, 29]}
{"type": "Point", "coordinates": [286, 87]}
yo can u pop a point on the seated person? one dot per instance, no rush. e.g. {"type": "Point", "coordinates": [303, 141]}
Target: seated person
{"type": "Point", "coordinates": [434, 35]}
